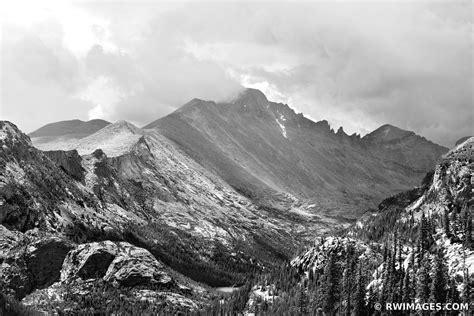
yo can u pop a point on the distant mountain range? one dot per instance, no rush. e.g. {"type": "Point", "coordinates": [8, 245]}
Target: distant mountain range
{"type": "Point", "coordinates": [205, 197]}
{"type": "Point", "coordinates": [73, 128]}
{"type": "Point", "coordinates": [60, 135]}
{"type": "Point", "coordinates": [271, 154]}
{"type": "Point", "coordinates": [264, 149]}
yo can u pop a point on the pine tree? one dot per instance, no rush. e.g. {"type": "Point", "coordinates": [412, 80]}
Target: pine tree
{"type": "Point", "coordinates": [348, 303]}
{"type": "Point", "coordinates": [303, 299]}
{"type": "Point", "coordinates": [439, 281]}
{"type": "Point", "coordinates": [348, 276]}
{"type": "Point", "coordinates": [387, 294]}
{"type": "Point", "coordinates": [329, 285]}
{"type": "Point", "coordinates": [359, 300]}
{"type": "Point", "coordinates": [453, 294]}
{"type": "Point", "coordinates": [407, 286]}
{"type": "Point", "coordinates": [373, 298]}
{"type": "Point", "coordinates": [400, 258]}
{"type": "Point", "coordinates": [418, 255]}
{"type": "Point", "coordinates": [423, 285]}
{"type": "Point", "coordinates": [447, 229]}
{"type": "Point", "coordinates": [467, 227]}
{"type": "Point", "coordinates": [425, 236]}
{"type": "Point", "coordinates": [454, 221]}
{"type": "Point", "coordinates": [311, 275]}
{"type": "Point", "coordinates": [466, 289]}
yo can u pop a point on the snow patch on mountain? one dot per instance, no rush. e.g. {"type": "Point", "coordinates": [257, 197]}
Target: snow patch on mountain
{"type": "Point", "coordinates": [282, 127]}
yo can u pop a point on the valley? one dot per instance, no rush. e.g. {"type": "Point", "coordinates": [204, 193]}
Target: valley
{"type": "Point", "coordinates": [214, 195]}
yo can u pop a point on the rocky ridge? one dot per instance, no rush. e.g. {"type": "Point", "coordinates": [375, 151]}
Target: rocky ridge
{"type": "Point", "coordinates": [266, 151]}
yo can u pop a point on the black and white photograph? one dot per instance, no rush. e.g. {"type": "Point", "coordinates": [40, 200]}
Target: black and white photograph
{"type": "Point", "coordinates": [236, 158]}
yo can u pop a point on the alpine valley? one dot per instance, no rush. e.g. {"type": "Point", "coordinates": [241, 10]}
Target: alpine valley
{"type": "Point", "coordinates": [225, 208]}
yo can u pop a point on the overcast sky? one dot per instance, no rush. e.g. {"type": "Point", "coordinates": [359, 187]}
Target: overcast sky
{"type": "Point", "coordinates": [356, 64]}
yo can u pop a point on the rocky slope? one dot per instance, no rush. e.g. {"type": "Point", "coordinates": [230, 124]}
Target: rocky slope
{"type": "Point", "coordinates": [405, 148]}
{"type": "Point", "coordinates": [60, 135]}
{"type": "Point", "coordinates": [417, 247]}
{"type": "Point", "coordinates": [448, 195]}
{"type": "Point", "coordinates": [148, 194]}
{"type": "Point", "coordinates": [114, 139]}
{"type": "Point", "coordinates": [265, 150]}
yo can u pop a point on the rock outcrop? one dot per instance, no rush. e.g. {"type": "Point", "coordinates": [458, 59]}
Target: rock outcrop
{"type": "Point", "coordinates": [118, 262]}
{"type": "Point", "coordinates": [30, 261]}
{"type": "Point", "coordinates": [44, 259]}
{"type": "Point", "coordinates": [69, 162]}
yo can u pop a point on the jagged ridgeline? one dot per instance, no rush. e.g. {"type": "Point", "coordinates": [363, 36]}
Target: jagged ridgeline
{"type": "Point", "coordinates": [103, 217]}
{"type": "Point", "coordinates": [417, 247]}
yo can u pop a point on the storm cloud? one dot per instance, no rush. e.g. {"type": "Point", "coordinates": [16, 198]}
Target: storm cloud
{"type": "Point", "coordinates": [357, 64]}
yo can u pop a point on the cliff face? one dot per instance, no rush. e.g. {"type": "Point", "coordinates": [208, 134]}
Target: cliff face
{"type": "Point", "coordinates": [33, 189]}
{"type": "Point", "coordinates": [69, 162]}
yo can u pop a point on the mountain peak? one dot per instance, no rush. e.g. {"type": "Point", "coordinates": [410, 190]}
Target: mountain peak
{"type": "Point", "coordinates": [386, 133]}
{"type": "Point", "coordinates": [341, 132]}
{"type": "Point", "coordinates": [251, 97]}
{"type": "Point", "coordinates": [114, 139]}
{"type": "Point", "coordinates": [123, 124]}
{"type": "Point", "coordinates": [69, 127]}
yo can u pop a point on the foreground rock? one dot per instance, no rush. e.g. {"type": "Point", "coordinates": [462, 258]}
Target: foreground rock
{"type": "Point", "coordinates": [118, 262]}
{"type": "Point", "coordinates": [30, 261]}
{"type": "Point", "coordinates": [106, 277]}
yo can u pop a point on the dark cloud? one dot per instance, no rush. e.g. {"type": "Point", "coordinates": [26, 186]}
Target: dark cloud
{"type": "Point", "coordinates": [357, 64]}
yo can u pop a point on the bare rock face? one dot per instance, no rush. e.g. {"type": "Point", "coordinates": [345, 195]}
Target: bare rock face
{"type": "Point", "coordinates": [136, 266]}
{"type": "Point", "coordinates": [45, 258]}
{"type": "Point", "coordinates": [30, 261]}
{"type": "Point", "coordinates": [118, 262]}
{"type": "Point", "coordinates": [8, 239]}
{"type": "Point", "coordinates": [69, 162]}
{"type": "Point", "coordinates": [35, 187]}
{"type": "Point", "coordinates": [89, 261]}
